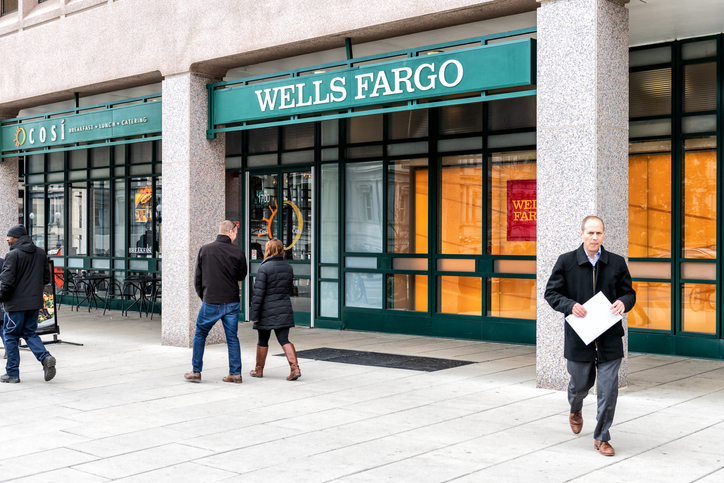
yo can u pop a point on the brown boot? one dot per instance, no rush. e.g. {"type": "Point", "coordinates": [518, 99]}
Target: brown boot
{"type": "Point", "coordinates": [261, 353]}
{"type": "Point", "coordinates": [291, 354]}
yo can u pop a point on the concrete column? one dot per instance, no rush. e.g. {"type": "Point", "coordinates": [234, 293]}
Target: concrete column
{"type": "Point", "coordinates": [8, 199]}
{"type": "Point", "coordinates": [193, 201]}
{"type": "Point", "coordinates": [582, 148]}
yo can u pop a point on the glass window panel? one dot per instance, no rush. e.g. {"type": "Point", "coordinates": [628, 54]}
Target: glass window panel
{"type": "Point", "coordinates": [263, 207]}
{"type": "Point", "coordinates": [700, 87]}
{"type": "Point", "coordinates": [263, 140]}
{"type": "Point", "coordinates": [360, 262]}
{"type": "Point", "coordinates": [298, 157]}
{"type": "Point", "coordinates": [699, 204]}
{"type": "Point", "coordinates": [698, 50]}
{"type": "Point", "coordinates": [233, 163]}
{"type": "Point", "coordinates": [408, 124]}
{"type": "Point", "coordinates": [102, 263]}
{"type": "Point", "coordinates": [119, 154]}
{"type": "Point", "coordinates": [9, 6]}
{"type": "Point", "coordinates": [35, 178]}
{"type": "Point", "coordinates": [650, 93]}
{"type": "Point", "coordinates": [159, 150]}
{"type": "Point", "coordinates": [141, 152]}
{"type": "Point", "coordinates": [511, 298]}
{"type": "Point", "coordinates": [330, 154]}
{"type": "Point", "coordinates": [119, 218]}
{"type": "Point", "coordinates": [512, 207]}
{"type": "Point", "coordinates": [329, 212]}
{"type": "Point", "coordinates": [328, 272]}
{"type": "Point", "coordinates": [262, 160]}
{"type": "Point", "coordinates": [100, 157]}
{"type": "Point", "coordinates": [650, 269]}
{"type": "Point", "coordinates": [364, 152]}
{"type": "Point", "coordinates": [364, 129]}
{"type": "Point", "coordinates": [455, 265]}
{"type": "Point", "coordinates": [78, 159]}
{"type": "Point", "coordinates": [301, 296]}
{"type": "Point", "coordinates": [461, 118]}
{"type": "Point", "coordinates": [659, 55]}
{"type": "Point", "coordinates": [233, 143]}
{"type": "Point", "coordinates": [514, 266]}
{"type": "Point", "coordinates": [653, 306]}
{"type": "Point", "coordinates": [407, 206]}
{"type": "Point", "coordinates": [649, 213]}
{"type": "Point", "coordinates": [512, 113]}
{"type": "Point", "coordinates": [78, 220]}
{"type": "Point", "coordinates": [141, 229]}
{"type": "Point", "coordinates": [698, 271]}
{"type": "Point", "coordinates": [232, 209]}
{"type": "Point", "coordinates": [55, 177]}
{"type": "Point", "coordinates": [515, 139]}
{"type": "Point", "coordinates": [35, 163]}
{"type": "Point", "coordinates": [698, 308]}
{"type": "Point", "coordinates": [56, 223]}
{"type": "Point", "coordinates": [460, 295]}
{"type": "Point", "coordinates": [330, 132]}
{"type": "Point", "coordinates": [298, 136]}
{"type": "Point", "coordinates": [403, 149]}
{"type": "Point", "coordinates": [297, 215]}
{"type": "Point", "coordinates": [302, 269]}
{"type": "Point", "coordinates": [37, 215]}
{"type": "Point", "coordinates": [363, 290]}
{"type": "Point", "coordinates": [56, 161]}
{"type": "Point", "coordinates": [407, 292]}
{"type": "Point", "coordinates": [157, 208]}
{"type": "Point", "coordinates": [694, 124]}
{"type": "Point", "coordinates": [363, 207]}
{"type": "Point", "coordinates": [463, 144]}
{"type": "Point", "coordinates": [409, 264]}
{"type": "Point", "coordinates": [652, 127]}
{"type": "Point", "coordinates": [140, 170]}
{"type": "Point", "coordinates": [329, 299]}
{"type": "Point", "coordinates": [460, 220]}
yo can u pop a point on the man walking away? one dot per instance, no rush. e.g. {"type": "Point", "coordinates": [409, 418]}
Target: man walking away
{"type": "Point", "coordinates": [220, 266]}
{"type": "Point", "coordinates": [23, 276]}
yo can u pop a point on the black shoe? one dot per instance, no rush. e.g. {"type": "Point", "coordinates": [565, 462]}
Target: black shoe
{"type": "Point", "coordinates": [49, 367]}
{"type": "Point", "coordinates": [11, 380]}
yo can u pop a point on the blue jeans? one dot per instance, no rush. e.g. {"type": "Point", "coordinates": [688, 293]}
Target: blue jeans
{"type": "Point", "coordinates": [23, 325]}
{"type": "Point", "coordinates": [209, 314]}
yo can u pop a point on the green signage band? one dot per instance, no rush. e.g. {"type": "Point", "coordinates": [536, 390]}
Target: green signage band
{"type": "Point", "coordinates": [496, 66]}
{"type": "Point", "coordinates": [118, 122]}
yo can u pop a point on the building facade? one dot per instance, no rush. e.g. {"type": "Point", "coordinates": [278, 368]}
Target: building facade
{"type": "Point", "coordinates": [424, 164]}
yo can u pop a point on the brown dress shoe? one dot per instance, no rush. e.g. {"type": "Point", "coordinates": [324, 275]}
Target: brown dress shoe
{"type": "Point", "coordinates": [235, 378]}
{"type": "Point", "coordinates": [603, 447]}
{"type": "Point", "coordinates": [193, 376]}
{"type": "Point", "coordinates": [576, 420]}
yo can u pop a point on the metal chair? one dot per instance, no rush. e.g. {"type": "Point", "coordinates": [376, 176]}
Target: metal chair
{"type": "Point", "coordinates": [111, 290]}
{"type": "Point", "coordinates": [156, 297]}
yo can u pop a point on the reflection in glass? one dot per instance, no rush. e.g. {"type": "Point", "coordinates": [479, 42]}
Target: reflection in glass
{"type": "Point", "coordinates": [263, 207]}
{"type": "Point", "coordinates": [407, 206]}
{"type": "Point", "coordinates": [363, 207]}
{"type": "Point", "coordinates": [157, 209]}
{"type": "Point", "coordinates": [302, 295]}
{"type": "Point", "coordinates": [460, 295]}
{"type": "Point", "coordinates": [512, 297]}
{"type": "Point", "coordinates": [119, 218]}
{"type": "Point", "coordinates": [78, 219]}
{"type": "Point", "coordinates": [329, 211]}
{"type": "Point", "coordinates": [699, 204]}
{"type": "Point", "coordinates": [698, 307]}
{"type": "Point", "coordinates": [461, 205]}
{"type": "Point", "coordinates": [37, 215]}
{"type": "Point", "coordinates": [512, 207]}
{"type": "Point", "coordinates": [649, 204]}
{"type": "Point", "coordinates": [56, 225]}
{"type": "Point", "coordinates": [101, 225]}
{"type": "Point", "coordinates": [407, 292]}
{"type": "Point", "coordinates": [297, 215]}
{"type": "Point", "coordinates": [329, 296]}
{"type": "Point", "coordinates": [363, 290]}
{"type": "Point", "coordinates": [653, 306]}
{"type": "Point", "coordinates": [142, 215]}
{"type": "Point", "coordinates": [233, 198]}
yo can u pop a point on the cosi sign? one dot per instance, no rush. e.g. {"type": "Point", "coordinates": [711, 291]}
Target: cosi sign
{"type": "Point", "coordinates": [476, 69]}
{"type": "Point", "coordinates": [117, 122]}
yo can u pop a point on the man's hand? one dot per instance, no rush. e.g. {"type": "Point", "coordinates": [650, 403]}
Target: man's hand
{"type": "Point", "coordinates": [579, 311]}
{"type": "Point", "coordinates": [618, 308]}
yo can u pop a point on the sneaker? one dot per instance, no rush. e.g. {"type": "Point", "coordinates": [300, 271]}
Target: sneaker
{"type": "Point", "coordinates": [11, 380]}
{"type": "Point", "coordinates": [49, 367]}
{"type": "Point", "coordinates": [193, 376]}
{"type": "Point", "coordinates": [236, 378]}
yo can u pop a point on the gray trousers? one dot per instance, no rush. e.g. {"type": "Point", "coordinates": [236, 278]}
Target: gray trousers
{"type": "Point", "coordinates": [583, 376]}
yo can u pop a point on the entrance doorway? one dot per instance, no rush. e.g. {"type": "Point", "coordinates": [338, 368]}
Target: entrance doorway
{"type": "Point", "coordinates": [280, 206]}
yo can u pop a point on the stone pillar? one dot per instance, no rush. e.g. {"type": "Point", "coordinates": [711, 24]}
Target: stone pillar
{"type": "Point", "coordinates": [193, 201]}
{"type": "Point", "coordinates": [8, 199]}
{"type": "Point", "coordinates": [582, 148]}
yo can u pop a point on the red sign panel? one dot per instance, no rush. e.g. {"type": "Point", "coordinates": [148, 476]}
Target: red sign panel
{"type": "Point", "coordinates": [522, 214]}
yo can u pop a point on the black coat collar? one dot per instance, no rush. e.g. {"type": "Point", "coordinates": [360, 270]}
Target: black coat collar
{"type": "Point", "coordinates": [582, 258]}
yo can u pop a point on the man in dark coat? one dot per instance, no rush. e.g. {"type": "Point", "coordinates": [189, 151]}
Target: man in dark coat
{"type": "Point", "coordinates": [578, 276]}
{"type": "Point", "coordinates": [25, 272]}
{"type": "Point", "coordinates": [220, 266]}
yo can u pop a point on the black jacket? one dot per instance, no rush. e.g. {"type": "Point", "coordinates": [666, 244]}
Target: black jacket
{"type": "Point", "coordinates": [271, 307]}
{"type": "Point", "coordinates": [572, 282]}
{"type": "Point", "coordinates": [220, 266]}
{"type": "Point", "coordinates": [25, 272]}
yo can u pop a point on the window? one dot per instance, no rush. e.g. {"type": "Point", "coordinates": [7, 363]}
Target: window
{"type": "Point", "coordinates": [8, 6]}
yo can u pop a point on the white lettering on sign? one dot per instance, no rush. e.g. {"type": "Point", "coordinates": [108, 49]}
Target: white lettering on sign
{"type": "Point", "coordinates": [30, 136]}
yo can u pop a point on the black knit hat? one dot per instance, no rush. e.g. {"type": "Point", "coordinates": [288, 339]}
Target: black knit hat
{"type": "Point", "coordinates": [17, 231]}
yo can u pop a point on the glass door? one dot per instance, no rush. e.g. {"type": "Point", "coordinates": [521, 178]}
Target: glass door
{"type": "Point", "coordinates": [280, 206]}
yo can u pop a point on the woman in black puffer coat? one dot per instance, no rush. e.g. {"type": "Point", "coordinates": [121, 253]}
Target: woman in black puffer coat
{"type": "Point", "coordinates": [271, 307]}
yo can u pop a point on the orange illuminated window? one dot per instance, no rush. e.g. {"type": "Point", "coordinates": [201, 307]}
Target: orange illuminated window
{"type": "Point", "coordinates": [512, 297]}
{"type": "Point", "coordinates": [407, 206]}
{"type": "Point", "coordinates": [460, 295]}
{"type": "Point", "coordinates": [698, 307]}
{"type": "Point", "coordinates": [699, 200]}
{"type": "Point", "coordinates": [653, 306]}
{"type": "Point", "coordinates": [461, 205]}
{"type": "Point", "coordinates": [407, 292]}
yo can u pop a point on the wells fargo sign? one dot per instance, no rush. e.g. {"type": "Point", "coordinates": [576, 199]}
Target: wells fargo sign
{"type": "Point", "coordinates": [476, 69]}
{"type": "Point", "coordinates": [522, 211]}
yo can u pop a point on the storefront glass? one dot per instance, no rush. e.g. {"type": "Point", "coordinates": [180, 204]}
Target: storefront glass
{"type": "Point", "coordinates": [363, 207]}
{"type": "Point", "coordinates": [461, 205]}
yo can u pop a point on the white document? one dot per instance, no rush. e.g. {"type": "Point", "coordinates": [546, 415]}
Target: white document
{"type": "Point", "coordinates": [597, 320]}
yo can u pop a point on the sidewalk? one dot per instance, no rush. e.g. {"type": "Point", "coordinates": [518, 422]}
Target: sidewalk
{"type": "Point", "coordinates": [119, 409]}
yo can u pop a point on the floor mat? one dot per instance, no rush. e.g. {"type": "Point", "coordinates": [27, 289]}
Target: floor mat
{"type": "Point", "coordinates": [380, 359]}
